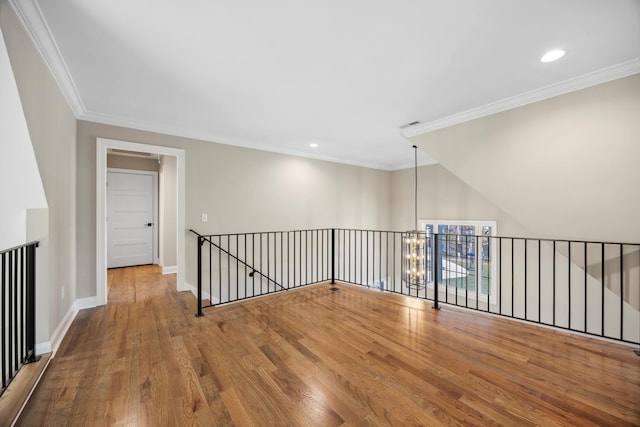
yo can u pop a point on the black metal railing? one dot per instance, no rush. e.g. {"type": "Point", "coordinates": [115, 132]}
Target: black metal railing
{"type": "Point", "coordinates": [17, 309]}
{"type": "Point", "coordinates": [582, 286]}
{"type": "Point", "coordinates": [234, 267]}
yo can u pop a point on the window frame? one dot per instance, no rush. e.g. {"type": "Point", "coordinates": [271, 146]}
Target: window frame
{"type": "Point", "coordinates": [477, 293]}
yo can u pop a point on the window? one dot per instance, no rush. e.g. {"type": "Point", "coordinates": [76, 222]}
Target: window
{"type": "Point", "coordinates": [465, 256]}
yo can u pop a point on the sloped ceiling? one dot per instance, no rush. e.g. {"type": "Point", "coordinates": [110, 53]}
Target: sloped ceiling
{"type": "Point", "coordinates": [347, 75]}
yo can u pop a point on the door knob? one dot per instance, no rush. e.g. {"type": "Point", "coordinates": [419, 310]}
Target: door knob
{"type": "Point", "coordinates": [149, 224]}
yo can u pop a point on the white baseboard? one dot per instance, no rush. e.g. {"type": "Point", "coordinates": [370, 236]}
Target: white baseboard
{"type": "Point", "coordinates": [171, 269]}
{"type": "Point", "coordinates": [63, 327]}
{"type": "Point", "coordinates": [53, 344]}
{"type": "Point", "coordinates": [205, 295]}
{"type": "Point", "coordinates": [88, 302]}
{"type": "Point", "coordinates": [43, 347]}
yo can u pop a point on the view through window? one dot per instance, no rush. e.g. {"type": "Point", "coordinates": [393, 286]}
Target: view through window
{"type": "Point", "coordinates": [465, 255]}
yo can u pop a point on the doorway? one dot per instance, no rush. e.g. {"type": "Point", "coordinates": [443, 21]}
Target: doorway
{"type": "Point", "coordinates": [101, 208]}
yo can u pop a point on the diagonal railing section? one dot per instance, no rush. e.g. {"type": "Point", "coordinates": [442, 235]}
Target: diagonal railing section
{"type": "Point", "coordinates": [237, 266]}
{"type": "Point", "coordinates": [583, 286]}
{"type": "Point", "coordinates": [17, 309]}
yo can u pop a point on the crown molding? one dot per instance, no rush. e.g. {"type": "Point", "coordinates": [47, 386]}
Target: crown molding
{"type": "Point", "coordinates": [402, 166]}
{"type": "Point", "coordinates": [154, 127]}
{"type": "Point", "coordinates": [583, 81]}
{"type": "Point", "coordinates": [163, 129]}
{"type": "Point", "coordinates": [33, 22]}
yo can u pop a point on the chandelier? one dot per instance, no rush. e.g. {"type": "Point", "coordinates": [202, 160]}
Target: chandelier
{"type": "Point", "coordinates": [414, 245]}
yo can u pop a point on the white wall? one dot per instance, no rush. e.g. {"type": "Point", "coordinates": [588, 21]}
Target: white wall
{"type": "Point", "coordinates": [565, 167]}
{"type": "Point", "coordinates": [52, 128]}
{"type": "Point", "coordinates": [20, 185]}
{"type": "Point", "coordinates": [168, 205]}
{"type": "Point", "coordinates": [442, 195]}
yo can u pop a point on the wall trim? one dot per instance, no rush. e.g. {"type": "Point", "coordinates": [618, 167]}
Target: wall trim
{"type": "Point", "coordinates": [58, 335]}
{"type": "Point", "coordinates": [163, 128]}
{"type": "Point", "coordinates": [43, 347]}
{"type": "Point", "coordinates": [102, 144]}
{"type": "Point", "coordinates": [583, 81]}
{"type": "Point", "coordinates": [32, 20]}
{"type": "Point", "coordinates": [63, 327]}
{"type": "Point", "coordinates": [170, 269]}
{"type": "Point", "coordinates": [194, 290]}
{"type": "Point", "coordinates": [82, 303]}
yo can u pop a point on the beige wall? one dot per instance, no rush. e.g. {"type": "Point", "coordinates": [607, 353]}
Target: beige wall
{"type": "Point", "coordinates": [130, 162]}
{"type": "Point", "coordinates": [442, 195]}
{"type": "Point", "coordinates": [565, 167]}
{"type": "Point", "coordinates": [168, 204]}
{"type": "Point", "coordinates": [241, 190]}
{"type": "Point", "coordinates": [52, 128]}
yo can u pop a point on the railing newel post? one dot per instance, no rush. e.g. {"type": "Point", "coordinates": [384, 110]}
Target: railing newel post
{"type": "Point", "coordinates": [436, 270]}
{"type": "Point", "coordinates": [31, 304]}
{"type": "Point", "coordinates": [199, 296]}
{"type": "Point", "coordinates": [333, 259]}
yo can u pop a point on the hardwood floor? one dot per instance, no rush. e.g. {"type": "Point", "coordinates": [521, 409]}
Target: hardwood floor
{"type": "Point", "coordinates": [322, 358]}
{"type": "Point", "coordinates": [15, 396]}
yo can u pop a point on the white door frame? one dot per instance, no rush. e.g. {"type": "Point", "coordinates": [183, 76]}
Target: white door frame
{"type": "Point", "coordinates": [155, 228]}
{"type": "Point", "coordinates": [102, 144]}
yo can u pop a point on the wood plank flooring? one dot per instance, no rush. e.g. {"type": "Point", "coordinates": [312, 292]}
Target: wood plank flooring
{"type": "Point", "coordinates": [15, 396]}
{"type": "Point", "coordinates": [313, 357]}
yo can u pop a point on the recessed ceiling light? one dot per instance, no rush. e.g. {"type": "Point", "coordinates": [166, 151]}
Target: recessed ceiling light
{"type": "Point", "coordinates": [552, 55]}
{"type": "Point", "coordinates": [313, 145]}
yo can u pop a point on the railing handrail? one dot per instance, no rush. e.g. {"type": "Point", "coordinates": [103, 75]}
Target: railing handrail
{"type": "Point", "coordinates": [259, 232]}
{"type": "Point", "coordinates": [254, 271]}
{"type": "Point", "coordinates": [541, 239]}
{"type": "Point", "coordinates": [24, 245]}
{"type": "Point", "coordinates": [493, 236]}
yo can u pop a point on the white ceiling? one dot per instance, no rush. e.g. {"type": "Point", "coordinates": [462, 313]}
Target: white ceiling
{"type": "Point", "coordinates": [346, 74]}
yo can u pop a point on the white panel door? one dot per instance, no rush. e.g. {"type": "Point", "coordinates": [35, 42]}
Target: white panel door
{"type": "Point", "coordinates": [131, 199]}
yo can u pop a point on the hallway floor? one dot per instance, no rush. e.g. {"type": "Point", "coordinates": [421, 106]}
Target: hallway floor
{"type": "Point", "coordinates": [320, 358]}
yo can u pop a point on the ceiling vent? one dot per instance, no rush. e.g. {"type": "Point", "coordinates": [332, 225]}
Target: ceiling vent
{"type": "Point", "coordinates": [410, 124]}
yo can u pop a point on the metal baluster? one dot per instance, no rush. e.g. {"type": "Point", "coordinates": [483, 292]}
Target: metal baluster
{"type": "Point", "coordinates": [621, 291]}
{"type": "Point", "coordinates": [569, 273]}
{"type": "Point", "coordinates": [526, 243]}
{"type": "Point", "coordinates": [3, 270]}
{"type": "Point", "coordinates": [513, 312]}
{"type": "Point", "coordinates": [539, 282]}
{"type": "Point", "coordinates": [602, 278]}
{"type": "Point", "coordinates": [200, 243]}
{"type": "Point", "coordinates": [554, 283]}
{"type": "Point", "coordinates": [585, 286]}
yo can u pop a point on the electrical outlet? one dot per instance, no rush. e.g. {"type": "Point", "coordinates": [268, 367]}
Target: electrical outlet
{"type": "Point", "coordinates": [62, 293]}
{"type": "Point", "coordinates": [204, 218]}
